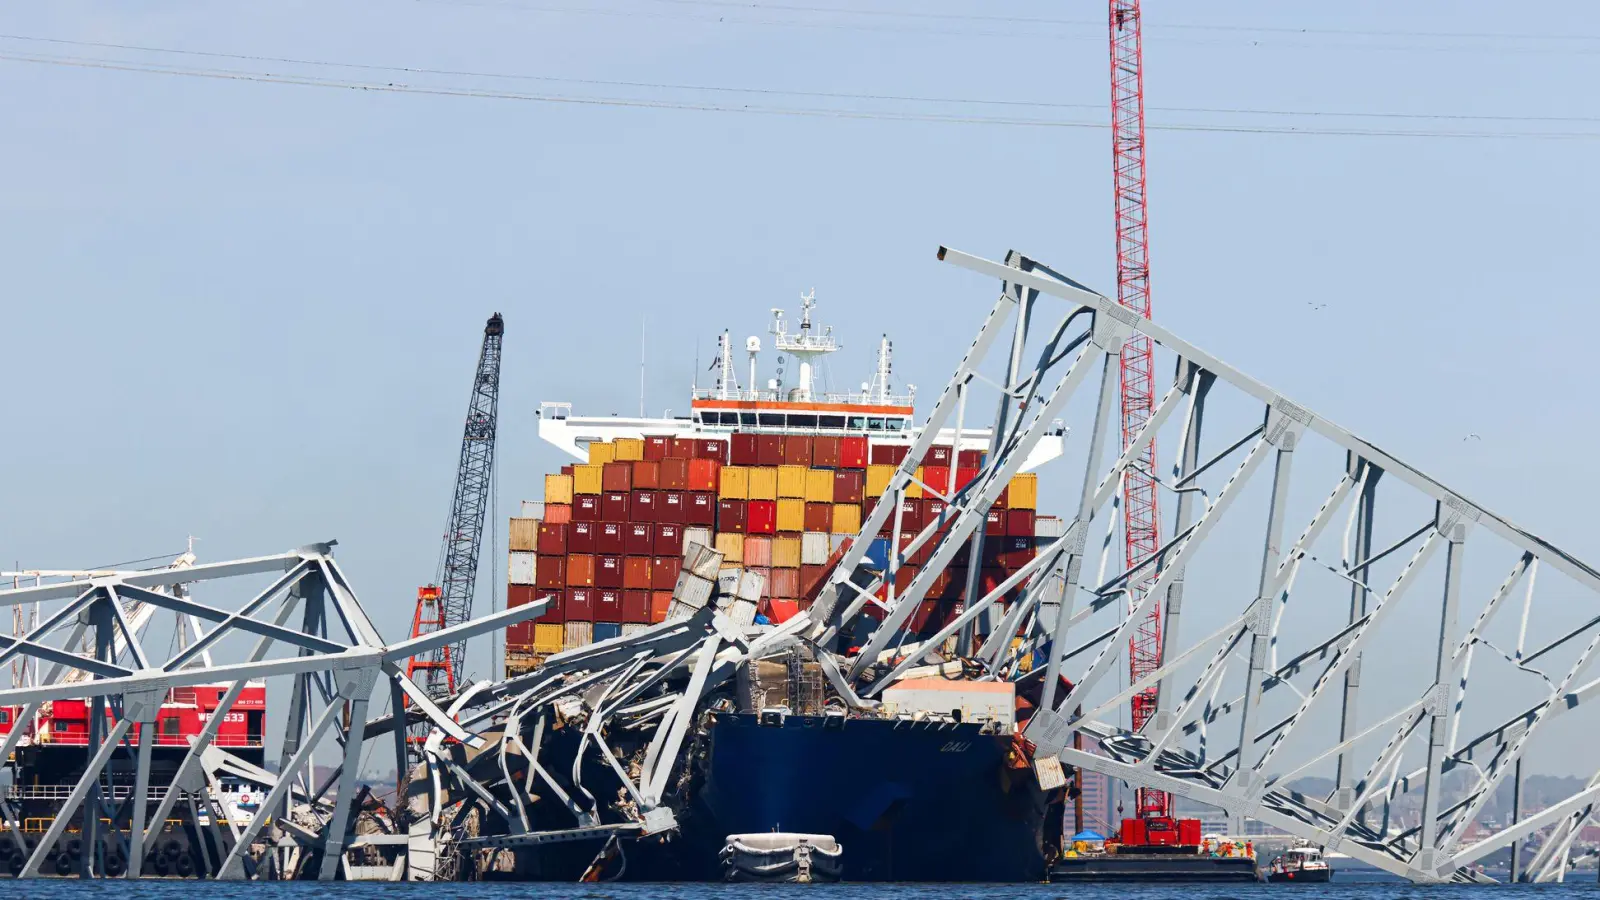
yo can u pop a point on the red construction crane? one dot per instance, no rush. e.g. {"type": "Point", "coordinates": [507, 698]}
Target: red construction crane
{"type": "Point", "coordinates": [1140, 522]}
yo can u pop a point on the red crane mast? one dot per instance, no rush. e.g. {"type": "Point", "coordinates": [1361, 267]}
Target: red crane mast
{"type": "Point", "coordinates": [1140, 520]}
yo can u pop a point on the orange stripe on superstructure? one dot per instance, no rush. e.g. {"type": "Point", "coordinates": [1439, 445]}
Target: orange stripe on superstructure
{"type": "Point", "coordinates": [759, 405]}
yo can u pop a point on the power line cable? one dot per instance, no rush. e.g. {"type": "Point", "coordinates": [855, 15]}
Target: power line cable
{"type": "Point", "coordinates": [813, 112]}
{"type": "Point", "coordinates": [833, 95]}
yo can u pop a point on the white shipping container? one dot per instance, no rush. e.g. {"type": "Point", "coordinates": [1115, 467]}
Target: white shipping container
{"type": "Point", "coordinates": [698, 535]}
{"type": "Point", "coordinates": [1048, 527]}
{"type": "Point", "coordinates": [633, 628]}
{"type": "Point", "coordinates": [701, 560]}
{"type": "Point", "coordinates": [692, 590]}
{"type": "Point", "coordinates": [814, 548]}
{"type": "Point", "coordinates": [533, 509]}
{"type": "Point", "coordinates": [521, 567]}
{"type": "Point", "coordinates": [680, 611]}
{"type": "Point", "coordinates": [743, 613]}
{"type": "Point", "coordinates": [728, 581]}
{"type": "Point", "coordinates": [835, 541]}
{"type": "Point", "coordinates": [578, 634]}
{"type": "Point", "coordinates": [751, 586]}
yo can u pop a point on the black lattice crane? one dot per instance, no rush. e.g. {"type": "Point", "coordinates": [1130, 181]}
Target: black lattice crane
{"type": "Point", "coordinates": [448, 601]}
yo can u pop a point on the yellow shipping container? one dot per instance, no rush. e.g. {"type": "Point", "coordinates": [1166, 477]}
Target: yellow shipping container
{"type": "Point", "coordinates": [731, 546]}
{"type": "Point", "coordinates": [585, 479]}
{"type": "Point", "coordinates": [630, 449]}
{"type": "Point", "coordinates": [558, 488]}
{"type": "Point", "coordinates": [791, 514]}
{"type": "Point", "coordinates": [846, 518]}
{"type": "Point", "coordinates": [878, 478]}
{"type": "Point", "coordinates": [601, 452]}
{"type": "Point", "coordinates": [547, 638]}
{"type": "Point", "coordinates": [792, 482]}
{"type": "Point", "coordinates": [763, 483]}
{"type": "Point", "coordinates": [819, 485]}
{"type": "Point", "coordinates": [913, 489]}
{"type": "Point", "coordinates": [734, 483]}
{"type": "Point", "coordinates": [524, 534]}
{"type": "Point", "coordinates": [1023, 492]}
{"type": "Point", "coordinates": [786, 553]}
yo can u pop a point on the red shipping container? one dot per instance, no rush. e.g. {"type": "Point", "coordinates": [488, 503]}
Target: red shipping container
{"type": "Point", "coordinates": [797, 450]}
{"type": "Point", "coordinates": [579, 605]}
{"type": "Point", "coordinates": [937, 477]}
{"type": "Point", "coordinates": [889, 454]}
{"type": "Point", "coordinates": [1011, 552]}
{"type": "Point", "coordinates": [743, 449]}
{"type": "Point", "coordinates": [664, 572]}
{"type": "Point", "coordinates": [581, 537]}
{"type": "Point", "coordinates": [616, 476]}
{"type": "Point", "coordinates": [811, 579]}
{"type": "Point", "coordinates": [825, 452]}
{"type": "Point", "coordinates": [714, 449]}
{"type": "Point", "coordinates": [969, 459]}
{"type": "Point", "coordinates": [965, 475]}
{"type": "Point", "coordinates": [849, 485]}
{"type": "Point", "coordinates": [994, 523]}
{"type": "Point", "coordinates": [989, 579]}
{"type": "Point", "coordinates": [852, 453]}
{"type": "Point", "coordinates": [932, 509]}
{"type": "Point", "coordinates": [1002, 501]}
{"type": "Point", "coordinates": [769, 449]}
{"type": "Point", "coordinates": [704, 474]}
{"type": "Point", "coordinates": [766, 580]}
{"type": "Point", "coordinates": [552, 539]}
{"type": "Point", "coordinates": [731, 515]}
{"type": "Point", "coordinates": [550, 571]}
{"type": "Point", "coordinates": [674, 507]}
{"type": "Point", "coordinates": [963, 554]}
{"type": "Point", "coordinates": [642, 505]}
{"type": "Point", "coordinates": [931, 615]}
{"type": "Point", "coordinates": [785, 584]}
{"type": "Point", "coordinates": [952, 584]}
{"type": "Point", "coordinates": [902, 580]}
{"type": "Point", "coordinates": [636, 606]}
{"type": "Point", "coordinates": [761, 517]}
{"type": "Point", "coordinates": [614, 506]}
{"type": "Point", "coordinates": [580, 570]}
{"type": "Point", "coordinates": [1189, 832]}
{"type": "Point", "coordinates": [660, 604]}
{"type": "Point", "coordinates": [566, 470]}
{"type": "Point", "coordinates": [819, 517]}
{"type": "Point", "coordinates": [674, 474]}
{"type": "Point", "coordinates": [558, 513]}
{"type": "Point", "coordinates": [611, 538]}
{"type": "Point", "coordinates": [636, 573]}
{"type": "Point", "coordinates": [519, 635]}
{"type": "Point", "coordinates": [939, 455]}
{"type": "Point", "coordinates": [779, 611]}
{"type": "Point", "coordinates": [910, 516]}
{"type": "Point", "coordinates": [608, 606]}
{"type": "Point", "coordinates": [523, 594]}
{"type": "Point", "coordinates": [758, 552]}
{"type": "Point", "coordinates": [702, 509]}
{"type": "Point", "coordinates": [639, 539]}
{"type": "Point", "coordinates": [555, 610]}
{"type": "Point", "coordinates": [682, 448]}
{"type": "Point", "coordinates": [608, 571]}
{"type": "Point", "coordinates": [1019, 522]}
{"type": "Point", "coordinates": [586, 508]}
{"type": "Point", "coordinates": [646, 475]}
{"type": "Point", "coordinates": [657, 447]}
{"type": "Point", "coordinates": [669, 540]}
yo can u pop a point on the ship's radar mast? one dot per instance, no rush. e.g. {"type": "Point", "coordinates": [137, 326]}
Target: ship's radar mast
{"type": "Point", "coordinates": [806, 346]}
{"type": "Point", "coordinates": [727, 383]}
{"type": "Point", "coordinates": [752, 346]}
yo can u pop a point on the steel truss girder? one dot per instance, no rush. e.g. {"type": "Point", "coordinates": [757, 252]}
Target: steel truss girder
{"type": "Point", "coordinates": [1253, 779]}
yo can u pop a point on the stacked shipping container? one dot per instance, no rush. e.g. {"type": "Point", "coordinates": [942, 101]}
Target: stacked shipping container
{"type": "Point", "coordinates": [608, 550]}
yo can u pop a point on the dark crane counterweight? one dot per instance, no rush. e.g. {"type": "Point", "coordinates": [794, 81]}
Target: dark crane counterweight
{"type": "Point", "coordinates": [448, 601]}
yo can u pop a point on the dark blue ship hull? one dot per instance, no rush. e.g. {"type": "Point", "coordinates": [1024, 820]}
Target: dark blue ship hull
{"type": "Point", "coordinates": [908, 801]}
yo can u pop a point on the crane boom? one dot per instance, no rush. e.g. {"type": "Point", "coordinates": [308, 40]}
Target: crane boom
{"type": "Point", "coordinates": [448, 601]}
{"type": "Point", "coordinates": [1140, 519]}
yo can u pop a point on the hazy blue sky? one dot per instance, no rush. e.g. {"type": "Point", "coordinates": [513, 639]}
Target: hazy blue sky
{"type": "Point", "coordinates": [248, 310]}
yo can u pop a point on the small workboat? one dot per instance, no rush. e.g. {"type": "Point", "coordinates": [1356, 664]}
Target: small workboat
{"type": "Point", "coordinates": [782, 857]}
{"type": "Point", "coordinates": [1303, 864]}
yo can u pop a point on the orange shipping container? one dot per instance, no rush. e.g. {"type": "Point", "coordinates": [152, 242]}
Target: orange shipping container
{"type": "Point", "coordinates": [757, 551]}
{"type": "Point", "coordinates": [646, 475]}
{"type": "Point", "coordinates": [558, 489]}
{"type": "Point", "coordinates": [636, 573]}
{"type": "Point", "coordinates": [674, 474]}
{"type": "Point", "coordinates": [819, 516]}
{"type": "Point", "coordinates": [764, 483]}
{"type": "Point", "coordinates": [660, 602]}
{"type": "Point", "coordinates": [703, 474]}
{"type": "Point", "coordinates": [846, 518]}
{"type": "Point", "coordinates": [784, 584]}
{"type": "Point", "coordinates": [786, 552]}
{"type": "Point", "coordinates": [792, 482]}
{"type": "Point", "coordinates": [825, 452]}
{"type": "Point", "coordinates": [558, 513]}
{"type": "Point", "coordinates": [524, 534]}
{"type": "Point", "coordinates": [616, 476]}
{"type": "Point", "coordinates": [733, 483]}
{"type": "Point", "coordinates": [819, 486]}
{"type": "Point", "coordinates": [791, 515]}
{"type": "Point", "coordinates": [580, 570]}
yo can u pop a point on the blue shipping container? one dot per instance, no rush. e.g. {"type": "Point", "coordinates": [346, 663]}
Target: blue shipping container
{"type": "Point", "coordinates": [877, 554]}
{"type": "Point", "coordinates": [605, 631]}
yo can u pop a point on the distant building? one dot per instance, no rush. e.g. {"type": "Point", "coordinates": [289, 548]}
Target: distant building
{"type": "Point", "coordinates": [1098, 811]}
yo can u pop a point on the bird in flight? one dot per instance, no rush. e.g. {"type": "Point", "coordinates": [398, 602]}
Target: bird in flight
{"type": "Point", "coordinates": [1316, 305]}
{"type": "Point", "coordinates": [1472, 437]}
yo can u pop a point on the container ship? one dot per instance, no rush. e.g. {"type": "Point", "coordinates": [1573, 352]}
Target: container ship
{"type": "Point", "coordinates": [778, 479]}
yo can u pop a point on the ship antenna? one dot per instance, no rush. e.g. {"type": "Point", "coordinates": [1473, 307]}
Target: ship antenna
{"type": "Point", "coordinates": [643, 318]}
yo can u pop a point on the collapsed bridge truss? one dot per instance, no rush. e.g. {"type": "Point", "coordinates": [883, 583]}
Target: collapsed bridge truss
{"type": "Point", "coordinates": [1336, 592]}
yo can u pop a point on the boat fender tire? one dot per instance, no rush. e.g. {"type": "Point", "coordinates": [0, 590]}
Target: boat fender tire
{"type": "Point", "coordinates": [158, 864]}
{"type": "Point", "coordinates": [16, 864]}
{"type": "Point", "coordinates": [75, 847]}
{"type": "Point", "coordinates": [116, 866]}
{"type": "Point", "coordinates": [63, 864]}
{"type": "Point", "coordinates": [185, 866]}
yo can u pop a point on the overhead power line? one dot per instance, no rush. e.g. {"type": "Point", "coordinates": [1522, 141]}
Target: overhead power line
{"type": "Point", "coordinates": [903, 115]}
